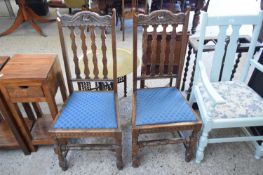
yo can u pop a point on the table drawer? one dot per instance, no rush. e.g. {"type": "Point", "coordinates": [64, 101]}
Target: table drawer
{"type": "Point", "coordinates": [24, 91]}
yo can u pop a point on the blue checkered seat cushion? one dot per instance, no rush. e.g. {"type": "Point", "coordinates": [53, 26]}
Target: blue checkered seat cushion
{"type": "Point", "coordinates": [88, 110]}
{"type": "Point", "coordinates": [162, 106]}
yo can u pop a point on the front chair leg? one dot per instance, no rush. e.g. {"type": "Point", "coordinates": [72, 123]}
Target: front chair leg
{"type": "Point", "coordinates": [189, 153]}
{"type": "Point", "coordinates": [61, 156]}
{"type": "Point", "coordinates": [203, 141]}
{"type": "Point", "coordinates": [135, 149]}
{"type": "Point", "coordinates": [119, 161]}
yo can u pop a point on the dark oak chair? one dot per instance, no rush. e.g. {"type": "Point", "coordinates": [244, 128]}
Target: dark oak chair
{"type": "Point", "coordinates": [130, 6]}
{"type": "Point", "coordinates": [86, 113]}
{"type": "Point", "coordinates": [164, 109]}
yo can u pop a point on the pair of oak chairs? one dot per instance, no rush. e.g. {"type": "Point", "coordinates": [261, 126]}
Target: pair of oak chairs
{"type": "Point", "coordinates": [89, 114]}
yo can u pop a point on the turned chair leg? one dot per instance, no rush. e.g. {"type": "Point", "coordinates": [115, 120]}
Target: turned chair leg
{"type": "Point", "coordinates": [61, 156]}
{"type": "Point", "coordinates": [119, 161]}
{"type": "Point", "coordinates": [189, 153]}
{"type": "Point", "coordinates": [135, 149]}
{"type": "Point", "coordinates": [203, 141]}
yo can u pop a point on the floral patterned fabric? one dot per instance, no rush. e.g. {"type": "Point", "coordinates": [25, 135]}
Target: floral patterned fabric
{"type": "Point", "coordinates": [241, 101]}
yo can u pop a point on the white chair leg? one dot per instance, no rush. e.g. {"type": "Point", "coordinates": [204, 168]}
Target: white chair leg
{"type": "Point", "coordinates": [259, 151]}
{"type": "Point", "coordinates": [203, 141]}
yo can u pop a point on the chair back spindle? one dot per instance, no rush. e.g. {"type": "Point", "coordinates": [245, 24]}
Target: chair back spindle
{"type": "Point", "coordinates": [163, 51]}
{"type": "Point", "coordinates": [88, 30]}
{"type": "Point", "coordinates": [154, 47]}
{"type": "Point", "coordinates": [224, 57]}
{"type": "Point", "coordinates": [84, 50]}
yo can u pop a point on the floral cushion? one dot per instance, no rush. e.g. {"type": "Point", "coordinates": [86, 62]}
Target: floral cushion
{"type": "Point", "coordinates": [241, 100]}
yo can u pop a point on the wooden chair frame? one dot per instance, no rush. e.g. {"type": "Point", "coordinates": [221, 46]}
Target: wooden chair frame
{"type": "Point", "coordinates": [160, 17]}
{"type": "Point", "coordinates": [201, 79]}
{"type": "Point", "coordinates": [91, 20]}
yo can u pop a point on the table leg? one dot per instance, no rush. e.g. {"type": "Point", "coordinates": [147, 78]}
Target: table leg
{"type": "Point", "coordinates": [36, 27]}
{"type": "Point", "coordinates": [24, 130]}
{"type": "Point", "coordinates": [186, 66]}
{"type": "Point", "coordinates": [125, 86]}
{"type": "Point", "coordinates": [61, 83]}
{"type": "Point", "coordinates": [198, 7]}
{"type": "Point", "coordinates": [171, 82]}
{"type": "Point", "coordinates": [236, 65]}
{"type": "Point", "coordinates": [142, 84]}
{"type": "Point", "coordinates": [192, 78]}
{"type": "Point", "coordinates": [19, 20]}
{"type": "Point", "coordinates": [29, 112]}
{"type": "Point", "coordinates": [11, 123]}
{"type": "Point", "coordinates": [37, 109]}
{"type": "Point", "coordinates": [50, 101]}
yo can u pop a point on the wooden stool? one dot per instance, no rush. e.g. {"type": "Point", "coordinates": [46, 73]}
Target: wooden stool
{"type": "Point", "coordinates": [32, 79]}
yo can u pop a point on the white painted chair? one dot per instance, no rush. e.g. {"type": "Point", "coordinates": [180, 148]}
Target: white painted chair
{"type": "Point", "coordinates": [227, 104]}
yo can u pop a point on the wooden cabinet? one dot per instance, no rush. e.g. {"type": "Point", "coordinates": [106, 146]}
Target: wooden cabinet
{"type": "Point", "coordinates": [30, 79]}
{"type": "Point", "coordinates": [10, 136]}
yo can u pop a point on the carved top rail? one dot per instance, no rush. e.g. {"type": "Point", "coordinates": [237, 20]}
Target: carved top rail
{"type": "Point", "coordinates": [161, 17]}
{"type": "Point", "coordinates": [85, 18]}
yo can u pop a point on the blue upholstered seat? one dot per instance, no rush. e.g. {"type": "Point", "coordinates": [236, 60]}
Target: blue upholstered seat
{"type": "Point", "coordinates": [162, 106]}
{"type": "Point", "coordinates": [88, 110]}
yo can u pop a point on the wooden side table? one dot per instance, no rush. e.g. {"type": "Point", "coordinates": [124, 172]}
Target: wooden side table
{"type": "Point", "coordinates": [9, 134]}
{"type": "Point", "coordinates": [31, 79]}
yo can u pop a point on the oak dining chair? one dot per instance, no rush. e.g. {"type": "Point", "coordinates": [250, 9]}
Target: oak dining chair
{"type": "Point", "coordinates": [88, 114]}
{"type": "Point", "coordinates": [161, 109]}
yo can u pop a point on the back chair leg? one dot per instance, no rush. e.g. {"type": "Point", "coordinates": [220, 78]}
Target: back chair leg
{"type": "Point", "coordinates": [119, 161]}
{"type": "Point", "coordinates": [61, 156]}
{"type": "Point", "coordinates": [135, 148]}
{"type": "Point", "coordinates": [189, 153]}
{"type": "Point", "coordinates": [203, 141]}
